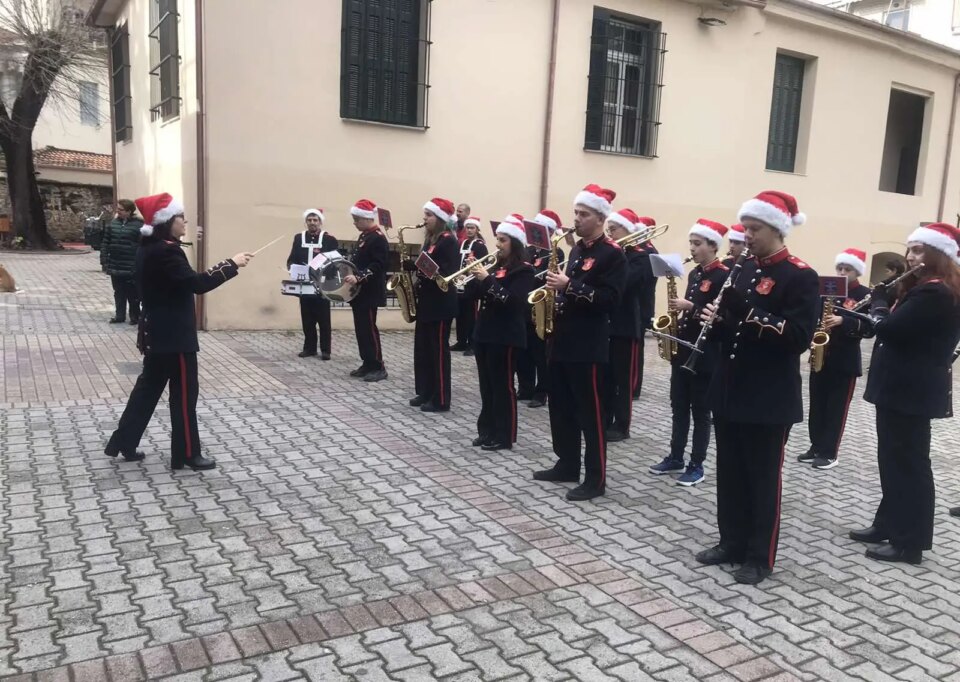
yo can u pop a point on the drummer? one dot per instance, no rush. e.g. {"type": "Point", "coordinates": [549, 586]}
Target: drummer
{"type": "Point", "coordinates": [370, 258]}
{"type": "Point", "coordinates": [314, 309]}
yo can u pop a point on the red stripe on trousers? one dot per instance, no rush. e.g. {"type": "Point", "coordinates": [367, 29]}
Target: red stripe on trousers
{"type": "Point", "coordinates": [846, 411]}
{"type": "Point", "coordinates": [183, 405]}
{"type": "Point", "coordinates": [776, 524]}
{"type": "Point", "coordinates": [440, 364]}
{"type": "Point", "coordinates": [513, 395]}
{"type": "Point", "coordinates": [596, 407]}
{"type": "Point", "coordinates": [376, 337]}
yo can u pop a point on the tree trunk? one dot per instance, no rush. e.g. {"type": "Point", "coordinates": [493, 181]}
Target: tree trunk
{"type": "Point", "coordinates": [29, 219]}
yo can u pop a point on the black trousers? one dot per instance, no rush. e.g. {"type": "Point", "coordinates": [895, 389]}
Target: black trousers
{"type": "Point", "coordinates": [179, 370]}
{"type": "Point", "coordinates": [498, 399]}
{"type": "Point", "coordinates": [638, 368]}
{"type": "Point", "coordinates": [533, 378]}
{"type": "Point", "coordinates": [368, 336]}
{"type": "Point", "coordinates": [431, 361]}
{"type": "Point", "coordinates": [688, 396]}
{"type": "Point", "coordinates": [621, 375]}
{"type": "Point", "coordinates": [125, 295]}
{"type": "Point", "coordinates": [466, 319]}
{"type": "Point", "coordinates": [749, 466]}
{"type": "Point", "coordinates": [906, 479]}
{"type": "Point", "coordinates": [830, 396]}
{"type": "Point", "coordinates": [315, 312]}
{"type": "Point", "coordinates": [576, 414]}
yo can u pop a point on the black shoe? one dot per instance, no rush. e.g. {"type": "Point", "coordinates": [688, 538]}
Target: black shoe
{"type": "Point", "coordinates": [117, 320]}
{"type": "Point", "coordinates": [458, 346]}
{"type": "Point", "coordinates": [360, 371]}
{"type": "Point", "coordinates": [718, 555]}
{"type": "Point", "coordinates": [524, 395]}
{"type": "Point", "coordinates": [417, 401]}
{"type": "Point", "coordinates": [556, 475]}
{"type": "Point", "coordinates": [196, 463]}
{"type": "Point", "coordinates": [376, 375]}
{"type": "Point", "coordinates": [616, 435]}
{"type": "Point", "coordinates": [134, 321]}
{"type": "Point", "coordinates": [752, 573]}
{"type": "Point", "coordinates": [807, 457]}
{"type": "Point", "coordinates": [583, 492]}
{"type": "Point", "coordinates": [305, 354]}
{"type": "Point", "coordinates": [955, 511]}
{"type": "Point", "coordinates": [432, 407]}
{"type": "Point", "coordinates": [494, 445]}
{"type": "Point", "coordinates": [468, 353]}
{"type": "Point", "coordinates": [113, 451]}
{"type": "Point", "coordinates": [870, 534]}
{"type": "Point", "coordinates": [479, 441]}
{"type": "Point", "coordinates": [897, 555]}
{"type": "Point", "coordinates": [325, 356]}
{"type": "Point", "coordinates": [537, 401]}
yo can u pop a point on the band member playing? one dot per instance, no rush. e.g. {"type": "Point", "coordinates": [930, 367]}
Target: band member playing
{"type": "Point", "coordinates": [314, 310]}
{"type": "Point", "coordinates": [586, 294]}
{"type": "Point", "coordinates": [370, 256]}
{"type": "Point", "coordinates": [647, 299]}
{"type": "Point", "coordinates": [533, 379]}
{"type": "Point", "coordinates": [472, 247]}
{"type": "Point", "coordinates": [688, 390]}
{"type": "Point", "coordinates": [435, 310]}
{"type": "Point", "coordinates": [500, 333]}
{"type": "Point", "coordinates": [909, 383]}
{"type": "Point", "coordinates": [736, 241]}
{"type": "Point", "coordinates": [168, 335]}
{"type": "Point", "coordinates": [831, 389]}
{"type": "Point", "coordinates": [766, 321]}
{"type": "Point", "coordinates": [625, 329]}
{"type": "Point", "coordinates": [462, 213]}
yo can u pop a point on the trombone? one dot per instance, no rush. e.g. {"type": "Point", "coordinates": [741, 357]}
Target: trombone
{"type": "Point", "coordinates": [460, 278]}
{"type": "Point", "coordinates": [644, 235]}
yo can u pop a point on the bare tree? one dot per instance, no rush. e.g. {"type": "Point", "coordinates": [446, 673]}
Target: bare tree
{"type": "Point", "coordinates": [48, 44]}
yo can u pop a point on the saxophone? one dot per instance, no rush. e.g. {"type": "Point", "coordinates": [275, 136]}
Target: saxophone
{"type": "Point", "coordinates": [402, 282]}
{"type": "Point", "coordinates": [544, 299]}
{"type": "Point", "coordinates": [670, 322]}
{"type": "Point", "coordinates": [821, 337]}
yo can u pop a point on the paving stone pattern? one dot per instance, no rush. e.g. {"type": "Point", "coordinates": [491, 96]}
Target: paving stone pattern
{"type": "Point", "coordinates": [346, 535]}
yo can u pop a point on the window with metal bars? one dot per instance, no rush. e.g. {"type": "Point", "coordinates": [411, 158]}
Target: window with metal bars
{"type": "Point", "coordinates": [89, 103]}
{"type": "Point", "coordinates": [164, 60]}
{"type": "Point", "coordinates": [623, 90]}
{"type": "Point", "coordinates": [384, 61]}
{"type": "Point", "coordinates": [785, 113]}
{"type": "Point", "coordinates": [120, 60]}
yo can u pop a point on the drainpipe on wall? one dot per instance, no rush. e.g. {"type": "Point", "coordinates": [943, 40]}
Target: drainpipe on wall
{"type": "Point", "coordinates": [201, 164]}
{"type": "Point", "coordinates": [949, 149]}
{"type": "Point", "coordinates": [113, 125]}
{"type": "Point", "coordinates": [548, 123]}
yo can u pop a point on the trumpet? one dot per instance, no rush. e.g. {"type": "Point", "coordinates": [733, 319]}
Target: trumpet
{"type": "Point", "coordinates": [460, 277]}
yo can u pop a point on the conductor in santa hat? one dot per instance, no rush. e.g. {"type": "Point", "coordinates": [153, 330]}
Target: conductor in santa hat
{"type": "Point", "coordinates": [314, 309]}
{"type": "Point", "coordinates": [168, 334]}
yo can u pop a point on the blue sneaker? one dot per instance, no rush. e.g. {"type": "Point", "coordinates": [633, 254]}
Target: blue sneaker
{"type": "Point", "coordinates": [669, 465]}
{"type": "Point", "coordinates": [692, 476]}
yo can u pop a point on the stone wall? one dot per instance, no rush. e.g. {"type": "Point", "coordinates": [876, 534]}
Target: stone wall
{"type": "Point", "coordinates": [66, 206]}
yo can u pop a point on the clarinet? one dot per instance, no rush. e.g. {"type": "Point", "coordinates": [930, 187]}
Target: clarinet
{"type": "Point", "coordinates": [691, 363]}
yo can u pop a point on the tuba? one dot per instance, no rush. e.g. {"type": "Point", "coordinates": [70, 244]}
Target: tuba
{"type": "Point", "coordinates": [821, 337]}
{"type": "Point", "coordinates": [669, 323]}
{"type": "Point", "coordinates": [402, 282]}
{"type": "Point", "coordinates": [544, 299]}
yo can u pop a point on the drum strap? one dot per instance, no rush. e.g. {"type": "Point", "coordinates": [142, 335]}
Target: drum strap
{"type": "Point", "coordinates": [312, 249]}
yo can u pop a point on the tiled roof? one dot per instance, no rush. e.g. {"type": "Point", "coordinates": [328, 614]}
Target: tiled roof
{"type": "Point", "coordinates": [52, 157]}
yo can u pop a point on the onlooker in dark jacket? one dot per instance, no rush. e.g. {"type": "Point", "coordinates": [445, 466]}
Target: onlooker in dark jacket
{"type": "Point", "coordinates": [118, 258]}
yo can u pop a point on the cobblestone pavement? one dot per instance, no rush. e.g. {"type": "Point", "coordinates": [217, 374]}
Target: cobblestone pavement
{"type": "Point", "coordinates": [347, 536]}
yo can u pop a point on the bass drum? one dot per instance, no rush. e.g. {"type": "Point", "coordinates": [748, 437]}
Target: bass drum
{"type": "Point", "coordinates": [329, 280]}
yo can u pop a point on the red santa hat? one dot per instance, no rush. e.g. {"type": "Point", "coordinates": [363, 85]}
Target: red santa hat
{"type": "Point", "coordinates": [625, 218]}
{"type": "Point", "coordinates": [442, 208]}
{"type": "Point", "coordinates": [549, 219]}
{"type": "Point", "coordinates": [472, 220]}
{"type": "Point", "coordinates": [646, 221]}
{"type": "Point", "coordinates": [855, 258]}
{"type": "Point", "coordinates": [314, 211]}
{"type": "Point", "coordinates": [363, 209]}
{"type": "Point", "coordinates": [512, 226]}
{"type": "Point", "coordinates": [777, 209]}
{"type": "Point", "coordinates": [708, 229]}
{"type": "Point", "coordinates": [940, 236]}
{"type": "Point", "coordinates": [156, 210]}
{"type": "Point", "coordinates": [597, 199]}
{"type": "Point", "coordinates": [736, 233]}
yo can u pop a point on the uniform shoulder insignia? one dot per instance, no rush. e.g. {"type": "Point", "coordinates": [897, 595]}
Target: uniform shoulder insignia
{"type": "Point", "coordinates": [797, 262]}
{"type": "Point", "coordinates": [723, 267]}
{"type": "Point", "coordinates": [611, 242]}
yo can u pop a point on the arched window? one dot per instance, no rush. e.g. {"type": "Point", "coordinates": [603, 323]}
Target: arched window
{"type": "Point", "coordinates": [885, 265]}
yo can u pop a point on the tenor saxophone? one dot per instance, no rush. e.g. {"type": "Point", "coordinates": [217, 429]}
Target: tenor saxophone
{"type": "Point", "coordinates": [669, 323]}
{"type": "Point", "coordinates": [821, 337]}
{"type": "Point", "coordinates": [402, 282]}
{"type": "Point", "coordinates": [544, 299]}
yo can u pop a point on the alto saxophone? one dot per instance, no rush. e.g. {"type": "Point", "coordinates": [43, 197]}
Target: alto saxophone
{"type": "Point", "coordinates": [544, 299]}
{"type": "Point", "coordinates": [821, 337]}
{"type": "Point", "coordinates": [670, 322]}
{"type": "Point", "coordinates": [402, 282]}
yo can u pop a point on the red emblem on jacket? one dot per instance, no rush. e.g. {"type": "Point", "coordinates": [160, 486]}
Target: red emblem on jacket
{"type": "Point", "coordinates": [765, 285]}
{"type": "Point", "coordinates": [849, 304]}
{"type": "Point", "coordinates": [501, 273]}
{"type": "Point", "coordinates": [705, 285]}
{"type": "Point", "coordinates": [588, 263]}
{"type": "Point", "coordinates": [537, 262]}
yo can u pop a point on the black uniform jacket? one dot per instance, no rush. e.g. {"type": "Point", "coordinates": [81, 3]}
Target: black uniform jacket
{"type": "Point", "coordinates": [842, 354]}
{"type": "Point", "coordinates": [597, 272]}
{"type": "Point", "coordinates": [299, 254]}
{"type": "Point", "coordinates": [540, 259]}
{"type": "Point", "coordinates": [167, 285]}
{"type": "Point", "coordinates": [911, 368]}
{"type": "Point", "coordinates": [648, 286]}
{"type": "Point", "coordinates": [626, 320]}
{"type": "Point", "coordinates": [504, 311]}
{"type": "Point", "coordinates": [434, 305]}
{"type": "Point", "coordinates": [767, 322]}
{"type": "Point", "coordinates": [370, 256]}
{"type": "Point", "coordinates": [703, 286]}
